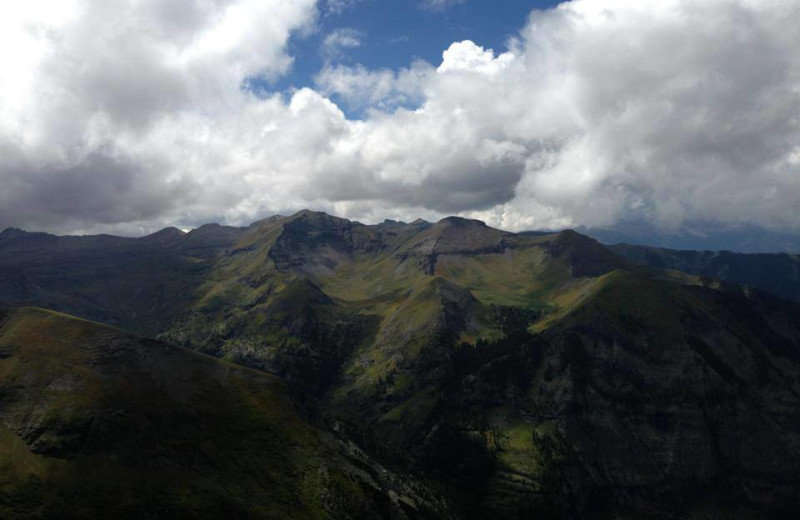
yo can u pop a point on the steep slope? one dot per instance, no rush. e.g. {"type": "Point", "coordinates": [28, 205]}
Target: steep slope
{"type": "Point", "coordinates": [296, 332]}
{"type": "Point", "coordinates": [97, 423]}
{"type": "Point", "coordinates": [667, 399]}
{"type": "Point", "coordinates": [775, 273]}
{"type": "Point", "coordinates": [391, 381]}
{"type": "Point", "coordinates": [647, 398]}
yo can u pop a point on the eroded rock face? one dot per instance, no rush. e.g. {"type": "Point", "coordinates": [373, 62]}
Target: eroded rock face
{"type": "Point", "coordinates": [313, 242]}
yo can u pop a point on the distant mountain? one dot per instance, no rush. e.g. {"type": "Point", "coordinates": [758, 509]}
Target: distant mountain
{"type": "Point", "coordinates": [135, 283]}
{"type": "Point", "coordinates": [521, 374]}
{"type": "Point", "coordinates": [778, 274]}
{"type": "Point", "coordinates": [702, 237]}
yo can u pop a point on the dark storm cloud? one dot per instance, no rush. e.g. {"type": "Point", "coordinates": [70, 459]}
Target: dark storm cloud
{"type": "Point", "coordinates": [100, 189]}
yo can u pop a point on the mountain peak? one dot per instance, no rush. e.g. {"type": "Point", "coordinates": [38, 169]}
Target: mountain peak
{"type": "Point", "coordinates": [12, 232]}
{"type": "Point", "coordinates": [461, 221]}
{"type": "Point", "coordinates": [165, 235]}
{"type": "Point", "coordinates": [456, 234]}
{"type": "Point", "coordinates": [585, 255]}
{"type": "Point", "coordinates": [310, 213]}
{"type": "Point", "coordinates": [267, 220]}
{"type": "Point", "coordinates": [316, 219]}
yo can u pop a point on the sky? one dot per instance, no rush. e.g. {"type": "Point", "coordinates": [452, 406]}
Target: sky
{"type": "Point", "coordinates": [127, 116]}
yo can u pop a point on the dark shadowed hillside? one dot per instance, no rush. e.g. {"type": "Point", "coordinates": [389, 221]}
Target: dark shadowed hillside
{"type": "Point", "coordinates": [139, 284]}
{"type": "Point", "coordinates": [775, 273]}
{"type": "Point", "coordinates": [97, 423]}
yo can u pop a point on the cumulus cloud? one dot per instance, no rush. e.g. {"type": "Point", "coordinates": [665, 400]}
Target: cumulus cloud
{"type": "Point", "coordinates": [86, 83]}
{"type": "Point", "coordinates": [124, 115]}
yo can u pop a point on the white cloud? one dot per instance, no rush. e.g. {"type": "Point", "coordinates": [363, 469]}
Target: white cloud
{"type": "Point", "coordinates": [609, 110]}
{"type": "Point", "coordinates": [85, 83]}
{"type": "Point", "coordinates": [339, 6]}
{"type": "Point", "coordinates": [121, 115]}
{"type": "Point", "coordinates": [384, 89]}
{"type": "Point", "coordinates": [439, 5]}
{"type": "Point", "coordinates": [468, 57]}
{"type": "Point", "coordinates": [337, 42]}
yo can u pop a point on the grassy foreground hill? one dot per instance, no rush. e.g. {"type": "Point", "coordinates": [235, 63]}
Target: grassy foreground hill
{"type": "Point", "coordinates": [97, 423]}
{"type": "Point", "coordinates": [526, 374]}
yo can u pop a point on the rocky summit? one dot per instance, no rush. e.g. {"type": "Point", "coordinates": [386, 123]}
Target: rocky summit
{"type": "Point", "coordinates": [313, 367]}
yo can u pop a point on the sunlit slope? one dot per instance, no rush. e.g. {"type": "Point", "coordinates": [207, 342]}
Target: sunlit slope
{"type": "Point", "coordinates": [367, 300]}
{"type": "Point", "coordinates": [97, 423]}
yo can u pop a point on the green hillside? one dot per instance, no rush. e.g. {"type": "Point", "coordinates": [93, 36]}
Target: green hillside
{"type": "Point", "coordinates": [97, 423]}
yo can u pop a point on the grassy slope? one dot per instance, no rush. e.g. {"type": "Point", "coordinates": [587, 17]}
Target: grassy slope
{"type": "Point", "coordinates": [97, 422]}
{"type": "Point", "coordinates": [648, 311]}
{"type": "Point", "coordinates": [388, 284]}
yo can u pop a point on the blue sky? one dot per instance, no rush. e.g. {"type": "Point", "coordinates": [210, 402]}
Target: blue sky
{"type": "Point", "coordinates": [395, 33]}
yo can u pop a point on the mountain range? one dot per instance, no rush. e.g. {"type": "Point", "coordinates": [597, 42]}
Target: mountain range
{"type": "Point", "coordinates": [313, 367]}
{"type": "Point", "coordinates": [702, 235]}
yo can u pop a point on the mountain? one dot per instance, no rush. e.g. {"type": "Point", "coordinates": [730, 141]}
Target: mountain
{"type": "Point", "coordinates": [135, 283]}
{"type": "Point", "coordinates": [701, 236]}
{"type": "Point", "coordinates": [777, 273]}
{"type": "Point", "coordinates": [99, 423]}
{"type": "Point", "coordinates": [480, 356]}
{"type": "Point", "coordinates": [520, 374]}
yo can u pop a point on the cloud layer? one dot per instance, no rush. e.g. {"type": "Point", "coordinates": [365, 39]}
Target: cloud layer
{"type": "Point", "coordinates": [125, 116]}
